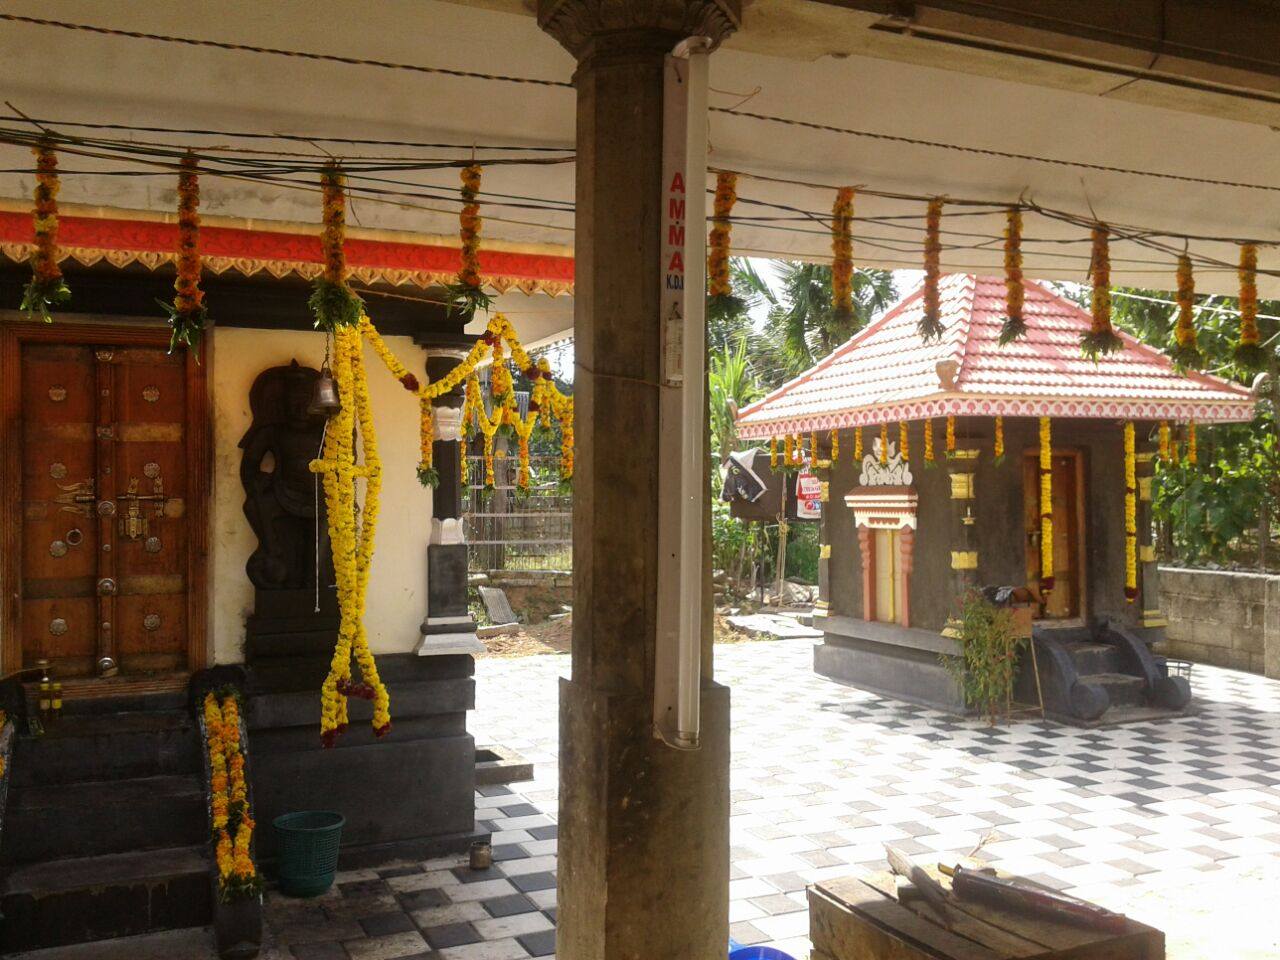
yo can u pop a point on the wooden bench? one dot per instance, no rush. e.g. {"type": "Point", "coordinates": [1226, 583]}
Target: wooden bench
{"type": "Point", "coordinates": [862, 919]}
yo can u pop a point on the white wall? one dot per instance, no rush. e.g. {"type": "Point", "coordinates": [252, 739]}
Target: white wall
{"type": "Point", "coordinates": [397, 587]}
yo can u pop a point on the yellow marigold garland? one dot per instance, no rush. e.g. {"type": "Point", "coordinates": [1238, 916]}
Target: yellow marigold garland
{"type": "Point", "coordinates": [231, 820]}
{"type": "Point", "coordinates": [835, 446]}
{"type": "Point", "coordinates": [466, 295]}
{"type": "Point", "coordinates": [884, 444]}
{"type": "Point", "coordinates": [813, 447]}
{"type": "Point", "coordinates": [857, 444]}
{"type": "Point", "coordinates": [1015, 326]}
{"type": "Point", "coordinates": [1193, 455]}
{"type": "Point", "coordinates": [46, 289]}
{"type": "Point", "coordinates": [951, 436]}
{"type": "Point", "coordinates": [930, 326]}
{"type": "Point", "coordinates": [351, 532]}
{"type": "Point", "coordinates": [904, 442]}
{"type": "Point", "coordinates": [998, 446]}
{"type": "Point", "coordinates": [1249, 352]}
{"type": "Point", "coordinates": [788, 450]}
{"type": "Point", "coordinates": [1186, 352]}
{"type": "Point", "coordinates": [842, 255]}
{"type": "Point", "coordinates": [1046, 506]}
{"type": "Point", "coordinates": [1164, 439]}
{"type": "Point", "coordinates": [1101, 338]}
{"type": "Point", "coordinates": [1131, 514]}
{"type": "Point", "coordinates": [188, 314]}
{"type": "Point", "coordinates": [333, 302]}
{"type": "Point", "coordinates": [773, 453]}
{"type": "Point", "coordinates": [721, 303]}
{"type": "Point", "coordinates": [928, 441]}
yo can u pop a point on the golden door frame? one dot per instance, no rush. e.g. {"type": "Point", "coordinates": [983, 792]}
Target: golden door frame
{"type": "Point", "coordinates": [90, 331]}
{"type": "Point", "coordinates": [1077, 456]}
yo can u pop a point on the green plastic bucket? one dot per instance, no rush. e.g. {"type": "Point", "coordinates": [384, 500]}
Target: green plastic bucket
{"type": "Point", "coordinates": [308, 850]}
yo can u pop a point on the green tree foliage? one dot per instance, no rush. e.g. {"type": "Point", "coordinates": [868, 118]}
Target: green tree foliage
{"type": "Point", "coordinates": [1222, 510]}
{"type": "Point", "coordinates": [989, 655]}
{"type": "Point", "coordinates": [732, 384]}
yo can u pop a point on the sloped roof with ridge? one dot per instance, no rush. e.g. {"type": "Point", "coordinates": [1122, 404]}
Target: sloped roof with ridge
{"type": "Point", "coordinates": [886, 373]}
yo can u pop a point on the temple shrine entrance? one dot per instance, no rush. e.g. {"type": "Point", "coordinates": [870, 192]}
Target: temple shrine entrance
{"type": "Point", "coordinates": [104, 529]}
{"type": "Point", "coordinates": [1066, 601]}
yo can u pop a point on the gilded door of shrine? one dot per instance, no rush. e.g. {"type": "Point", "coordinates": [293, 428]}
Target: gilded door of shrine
{"type": "Point", "coordinates": [101, 435]}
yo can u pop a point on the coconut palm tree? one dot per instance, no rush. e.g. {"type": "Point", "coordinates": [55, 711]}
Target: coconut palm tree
{"type": "Point", "coordinates": [802, 315]}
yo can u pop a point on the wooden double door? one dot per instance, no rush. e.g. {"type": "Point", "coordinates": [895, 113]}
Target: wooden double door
{"type": "Point", "coordinates": [103, 440]}
{"type": "Point", "coordinates": [1066, 601]}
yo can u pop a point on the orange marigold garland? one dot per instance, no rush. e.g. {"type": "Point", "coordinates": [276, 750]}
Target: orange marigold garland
{"type": "Point", "coordinates": [1015, 327]}
{"type": "Point", "coordinates": [1186, 352]}
{"type": "Point", "coordinates": [1164, 440]}
{"type": "Point", "coordinates": [951, 436]}
{"type": "Point", "coordinates": [857, 444]}
{"type": "Point", "coordinates": [1192, 453]}
{"type": "Point", "coordinates": [1249, 352]}
{"type": "Point", "coordinates": [230, 816]}
{"type": "Point", "coordinates": [842, 256]}
{"type": "Point", "coordinates": [1131, 514]}
{"type": "Point", "coordinates": [930, 326]}
{"type": "Point", "coordinates": [188, 315]}
{"type": "Point", "coordinates": [46, 289]}
{"type": "Point", "coordinates": [466, 296]}
{"type": "Point", "coordinates": [884, 444]}
{"type": "Point", "coordinates": [333, 302]}
{"type": "Point", "coordinates": [904, 442]}
{"type": "Point", "coordinates": [428, 475]}
{"type": "Point", "coordinates": [1101, 338]}
{"type": "Point", "coordinates": [835, 446]}
{"type": "Point", "coordinates": [998, 446]}
{"type": "Point", "coordinates": [773, 453]}
{"type": "Point", "coordinates": [721, 303]}
{"type": "Point", "coordinates": [928, 441]}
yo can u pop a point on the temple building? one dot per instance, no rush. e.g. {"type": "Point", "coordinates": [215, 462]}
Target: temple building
{"type": "Point", "coordinates": [946, 495]}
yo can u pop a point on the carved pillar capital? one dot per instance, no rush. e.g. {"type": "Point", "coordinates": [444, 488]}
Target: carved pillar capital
{"type": "Point", "coordinates": [583, 27]}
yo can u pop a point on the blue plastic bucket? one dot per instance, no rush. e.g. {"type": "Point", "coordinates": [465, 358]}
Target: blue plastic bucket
{"type": "Point", "coordinates": [759, 953]}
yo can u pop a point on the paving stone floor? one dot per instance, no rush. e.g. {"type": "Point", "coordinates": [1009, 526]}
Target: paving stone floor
{"type": "Point", "coordinates": [1171, 821]}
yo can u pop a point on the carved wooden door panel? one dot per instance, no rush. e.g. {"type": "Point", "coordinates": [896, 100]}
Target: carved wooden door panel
{"type": "Point", "coordinates": [104, 538]}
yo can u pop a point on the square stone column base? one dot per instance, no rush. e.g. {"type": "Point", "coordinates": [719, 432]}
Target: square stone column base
{"type": "Point", "coordinates": [644, 831]}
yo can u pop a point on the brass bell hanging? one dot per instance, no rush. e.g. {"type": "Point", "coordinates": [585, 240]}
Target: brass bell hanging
{"type": "Point", "coordinates": [324, 395]}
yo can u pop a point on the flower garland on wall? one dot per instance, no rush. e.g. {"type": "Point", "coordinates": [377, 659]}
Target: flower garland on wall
{"type": "Point", "coordinates": [1193, 454]}
{"type": "Point", "coordinates": [773, 453]}
{"type": "Point", "coordinates": [928, 441]}
{"type": "Point", "coordinates": [951, 437]}
{"type": "Point", "coordinates": [1249, 352]}
{"type": "Point", "coordinates": [884, 444]}
{"type": "Point", "coordinates": [1101, 338]}
{"type": "Point", "coordinates": [1015, 326]}
{"type": "Point", "coordinates": [721, 303]}
{"type": "Point", "coordinates": [1046, 506]}
{"type": "Point", "coordinates": [857, 444]}
{"type": "Point", "coordinates": [1164, 439]}
{"type": "Point", "coordinates": [188, 314]}
{"type": "Point", "coordinates": [46, 289]}
{"type": "Point", "coordinates": [231, 819]}
{"type": "Point", "coordinates": [835, 446]}
{"type": "Point", "coordinates": [1131, 514]}
{"type": "Point", "coordinates": [1186, 352]}
{"type": "Point", "coordinates": [998, 446]}
{"type": "Point", "coordinates": [466, 296]}
{"type": "Point", "coordinates": [930, 326]}
{"type": "Point", "coordinates": [904, 443]}
{"type": "Point", "coordinates": [842, 256]}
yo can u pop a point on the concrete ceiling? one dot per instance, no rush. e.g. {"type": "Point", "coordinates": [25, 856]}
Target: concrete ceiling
{"type": "Point", "coordinates": [812, 62]}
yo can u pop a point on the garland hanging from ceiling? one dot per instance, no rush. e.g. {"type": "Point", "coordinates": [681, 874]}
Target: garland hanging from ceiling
{"type": "Point", "coordinates": [721, 303]}
{"type": "Point", "coordinates": [1186, 351]}
{"type": "Point", "coordinates": [930, 326]}
{"type": "Point", "coordinates": [1249, 353]}
{"type": "Point", "coordinates": [1015, 326]}
{"type": "Point", "coordinates": [1101, 338]}
{"type": "Point", "coordinates": [188, 315]}
{"type": "Point", "coordinates": [842, 256]}
{"type": "Point", "coordinates": [46, 290]}
{"type": "Point", "coordinates": [466, 294]}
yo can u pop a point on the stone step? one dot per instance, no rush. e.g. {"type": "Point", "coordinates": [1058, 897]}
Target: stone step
{"type": "Point", "coordinates": [1125, 690]}
{"type": "Point", "coordinates": [99, 817]}
{"type": "Point", "coordinates": [102, 747]}
{"type": "Point", "coordinates": [1093, 658]}
{"type": "Point", "coordinates": [62, 902]}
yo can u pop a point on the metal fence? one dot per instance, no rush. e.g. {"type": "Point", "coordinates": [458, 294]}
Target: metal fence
{"type": "Point", "coordinates": [510, 530]}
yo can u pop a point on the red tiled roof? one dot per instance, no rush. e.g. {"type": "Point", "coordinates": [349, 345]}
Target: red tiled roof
{"type": "Point", "coordinates": [886, 373]}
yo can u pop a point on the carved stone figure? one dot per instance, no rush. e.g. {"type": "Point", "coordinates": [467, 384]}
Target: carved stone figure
{"type": "Point", "coordinates": [283, 501]}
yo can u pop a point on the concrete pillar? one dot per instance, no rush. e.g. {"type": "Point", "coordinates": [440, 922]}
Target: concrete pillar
{"type": "Point", "coordinates": [644, 828]}
{"type": "Point", "coordinates": [448, 627]}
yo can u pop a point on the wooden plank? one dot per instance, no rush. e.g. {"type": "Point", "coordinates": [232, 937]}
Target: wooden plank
{"type": "Point", "coordinates": [857, 922]}
{"type": "Point", "coordinates": [979, 931]}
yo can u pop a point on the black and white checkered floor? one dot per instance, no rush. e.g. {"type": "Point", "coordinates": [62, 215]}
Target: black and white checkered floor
{"type": "Point", "coordinates": [1134, 817]}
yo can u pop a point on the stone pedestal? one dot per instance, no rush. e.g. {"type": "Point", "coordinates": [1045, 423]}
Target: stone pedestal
{"type": "Point", "coordinates": [644, 828]}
